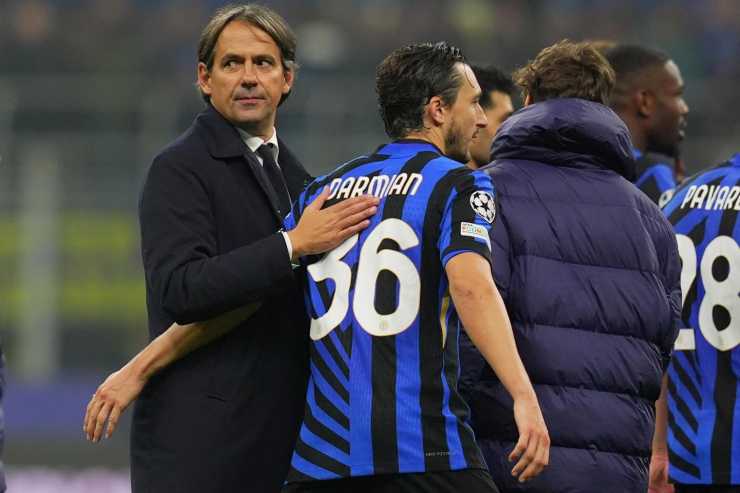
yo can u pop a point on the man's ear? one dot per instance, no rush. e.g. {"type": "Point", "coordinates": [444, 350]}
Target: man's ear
{"type": "Point", "coordinates": [436, 111]}
{"type": "Point", "coordinates": [204, 79]}
{"type": "Point", "coordinates": [289, 76]}
{"type": "Point", "coordinates": [644, 102]}
{"type": "Point", "coordinates": [528, 100]}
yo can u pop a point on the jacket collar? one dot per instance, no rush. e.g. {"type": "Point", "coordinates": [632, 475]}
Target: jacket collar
{"type": "Point", "coordinates": [567, 132]}
{"type": "Point", "coordinates": [224, 141]}
{"type": "Point", "coordinates": [222, 138]}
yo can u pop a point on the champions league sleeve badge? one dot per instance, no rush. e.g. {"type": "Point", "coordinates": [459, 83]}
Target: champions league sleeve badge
{"type": "Point", "coordinates": [483, 205]}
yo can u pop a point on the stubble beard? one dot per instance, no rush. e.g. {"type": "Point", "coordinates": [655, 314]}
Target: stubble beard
{"type": "Point", "coordinates": [455, 146]}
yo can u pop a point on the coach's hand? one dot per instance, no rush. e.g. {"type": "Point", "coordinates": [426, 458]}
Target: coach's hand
{"type": "Point", "coordinates": [321, 230]}
{"type": "Point", "coordinates": [111, 399]}
{"type": "Point", "coordinates": [533, 447]}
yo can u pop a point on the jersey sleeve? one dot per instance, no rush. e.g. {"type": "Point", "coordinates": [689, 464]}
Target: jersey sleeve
{"type": "Point", "coordinates": [657, 182]}
{"type": "Point", "coordinates": [291, 220]}
{"type": "Point", "coordinates": [468, 216]}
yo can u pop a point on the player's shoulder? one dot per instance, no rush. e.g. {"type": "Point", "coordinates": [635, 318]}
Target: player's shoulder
{"type": "Point", "coordinates": [729, 168]}
{"type": "Point", "coordinates": [712, 191]}
{"type": "Point", "coordinates": [446, 167]}
{"type": "Point", "coordinates": [352, 166]}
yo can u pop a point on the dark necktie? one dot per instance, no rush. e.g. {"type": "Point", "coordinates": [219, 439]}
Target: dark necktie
{"type": "Point", "coordinates": [275, 176]}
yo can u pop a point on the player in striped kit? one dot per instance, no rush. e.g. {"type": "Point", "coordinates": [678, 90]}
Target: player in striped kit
{"type": "Point", "coordinates": [383, 411]}
{"type": "Point", "coordinates": [703, 418]}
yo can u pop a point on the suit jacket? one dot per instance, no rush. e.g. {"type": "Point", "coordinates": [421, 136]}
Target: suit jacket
{"type": "Point", "coordinates": [225, 417]}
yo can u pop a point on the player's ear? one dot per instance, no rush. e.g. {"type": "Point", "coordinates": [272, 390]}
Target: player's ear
{"type": "Point", "coordinates": [436, 110]}
{"type": "Point", "coordinates": [644, 102]}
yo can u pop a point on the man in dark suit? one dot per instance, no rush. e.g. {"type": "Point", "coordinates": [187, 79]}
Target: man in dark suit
{"type": "Point", "coordinates": [224, 417]}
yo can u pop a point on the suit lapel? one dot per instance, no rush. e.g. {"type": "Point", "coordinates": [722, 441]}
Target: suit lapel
{"type": "Point", "coordinates": [224, 142]}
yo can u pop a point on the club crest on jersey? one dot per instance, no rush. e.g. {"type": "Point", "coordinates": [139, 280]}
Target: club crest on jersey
{"type": "Point", "coordinates": [483, 205]}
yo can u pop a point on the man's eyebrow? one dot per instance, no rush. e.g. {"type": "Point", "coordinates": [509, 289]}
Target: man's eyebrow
{"type": "Point", "coordinates": [231, 56]}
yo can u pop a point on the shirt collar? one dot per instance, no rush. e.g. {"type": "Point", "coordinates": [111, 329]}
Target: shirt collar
{"type": "Point", "coordinates": [254, 142]}
{"type": "Point", "coordinates": [408, 146]}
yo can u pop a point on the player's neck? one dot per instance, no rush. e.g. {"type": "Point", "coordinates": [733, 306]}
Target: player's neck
{"type": "Point", "coordinates": [429, 136]}
{"type": "Point", "coordinates": [637, 134]}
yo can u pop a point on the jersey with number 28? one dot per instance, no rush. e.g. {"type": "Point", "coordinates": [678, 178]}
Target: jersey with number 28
{"type": "Point", "coordinates": [382, 396]}
{"type": "Point", "coordinates": [704, 375]}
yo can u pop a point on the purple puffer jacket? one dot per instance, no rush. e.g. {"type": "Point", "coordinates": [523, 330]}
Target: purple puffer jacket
{"type": "Point", "coordinates": [589, 271]}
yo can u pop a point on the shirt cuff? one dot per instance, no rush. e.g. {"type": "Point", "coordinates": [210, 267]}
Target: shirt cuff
{"type": "Point", "coordinates": [289, 245]}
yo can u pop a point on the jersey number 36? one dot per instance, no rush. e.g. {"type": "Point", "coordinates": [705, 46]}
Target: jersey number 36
{"type": "Point", "coordinates": [371, 262]}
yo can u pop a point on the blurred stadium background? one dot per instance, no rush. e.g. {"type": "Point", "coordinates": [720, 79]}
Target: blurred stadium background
{"type": "Point", "coordinates": [91, 89]}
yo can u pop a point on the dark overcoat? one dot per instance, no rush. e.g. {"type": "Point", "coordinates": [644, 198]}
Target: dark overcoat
{"type": "Point", "coordinates": [225, 417]}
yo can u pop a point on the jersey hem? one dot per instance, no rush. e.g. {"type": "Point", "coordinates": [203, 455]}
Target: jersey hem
{"type": "Point", "coordinates": [383, 470]}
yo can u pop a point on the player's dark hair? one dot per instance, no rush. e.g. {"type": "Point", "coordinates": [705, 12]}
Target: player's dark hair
{"type": "Point", "coordinates": [631, 63]}
{"type": "Point", "coordinates": [491, 79]}
{"type": "Point", "coordinates": [567, 70]}
{"type": "Point", "coordinates": [627, 60]}
{"type": "Point", "coordinates": [409, 77]}
{"type": "Point", "coordinates": [257, 15]}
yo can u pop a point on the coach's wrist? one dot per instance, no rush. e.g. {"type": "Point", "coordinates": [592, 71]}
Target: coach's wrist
{"type": "Point", "coordinates": [297, 244]}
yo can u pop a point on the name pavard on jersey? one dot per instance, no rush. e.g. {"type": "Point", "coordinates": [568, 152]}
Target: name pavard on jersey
{"type": "Point", "coordinates": [703, 376]}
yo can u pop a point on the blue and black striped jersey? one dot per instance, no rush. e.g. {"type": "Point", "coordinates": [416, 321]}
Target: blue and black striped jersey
{"type": "Point", "coordinates": [704, 374]}
{"type": "Point", "coordinates": [655, 177]}
{"type": "Point", "coordinates": [382, 396]}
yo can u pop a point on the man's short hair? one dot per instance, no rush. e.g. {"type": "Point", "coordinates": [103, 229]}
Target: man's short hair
{"type": "Point", "coordinates": [602, 45]}
{"type": "Point", "coordinates": [567, 70]}
{"type": "Point", "coordinates": [491, 79]}
{"type": "Point", "coordinates": [630, 64]}
{"type": "Point", "coordinates": [257, 15]}
{"type": "Point", "coordinates": [409, 77]}
{"type": "Point", "coordinates": [627, 60]}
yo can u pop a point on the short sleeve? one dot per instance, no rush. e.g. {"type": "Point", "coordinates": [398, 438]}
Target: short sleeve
{"type": "Point", "coordinates": [468, 216]}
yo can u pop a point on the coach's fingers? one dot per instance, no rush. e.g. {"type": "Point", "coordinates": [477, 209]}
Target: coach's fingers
{"type": "Point", "coordinates": [87, 416]}
{"type": "Point", "coordinates": [318, 202]}
{"type": "Point", "coordinates": [115, 414]}
{"type": "Point", "coordinates": [100, 421]}
{"type": "Point", "coordinates": [92, 412]}
{"type": "Point", "coordinates": [353, 205]}
{"type": "Point", "coordinates": [346, 233]}
{"type": "Point", "coordinates": [356, 217]}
